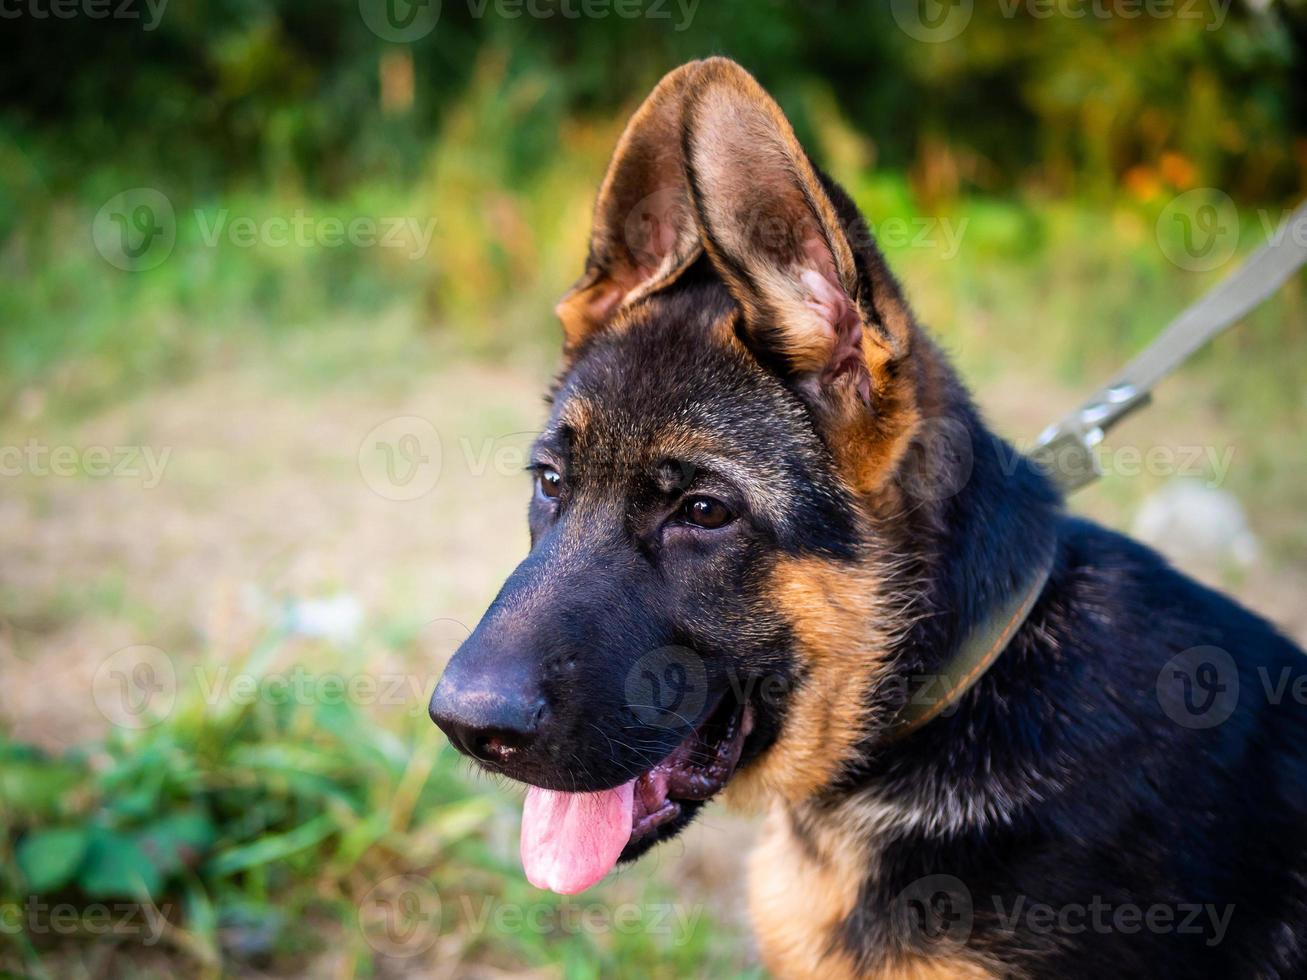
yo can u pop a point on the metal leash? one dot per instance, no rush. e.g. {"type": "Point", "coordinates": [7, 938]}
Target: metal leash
{"type": "Point", "coordinates": [1065, 449]}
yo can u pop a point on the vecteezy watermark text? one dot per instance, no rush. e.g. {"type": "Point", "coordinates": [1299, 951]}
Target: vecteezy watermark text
{"type": "Point", "coordinates": [150, 12]}
{"type": "Point", "coordinates": [406, 21]}
{"type": "Point", "coordinates": [137, 229]}
{"type": "Point", "coordinates": [940, 21]}
{"type": "Point", "coordinates": [1211, 464]}
{"type": "Point", "coordinates": [670, 919]}
{"type": "Point", "coordinates": [1211, 13]}
{"type": "Point", "coordinates": [306, 230]}
{"type": "Point", "coordinates": [35, 458]}
{"type": "Point", "coordinates": [682, 11]}
{"type": "Point", "coordinates": [769, 231]}
{"type": "Point", "coordinates": [401, 916]}
{"type": "Point", "coordinates": [1101, 917]}
{"type": "Point", "coordinates": [1199, 230]}
{"type": "Point", "coordinates": [136, 687]}
{"type": "Point", "coordinates": [36, 917]}
{"type": "Point", "coordinates": [1201, 687]}
{"type": "Point", "coordinates": [303, 687]}
{"type": "Point", "coordinates": [940, 911]}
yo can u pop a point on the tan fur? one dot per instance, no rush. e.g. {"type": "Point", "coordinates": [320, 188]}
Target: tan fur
{"type": "Point", "coordinates": [578, 413]}
{"type": "Point", "coordinates": [797, 903]}
{"type": "Point", "coordinates": [766, 220]}
{"type": "Point", "coordinates": [799, 897]}
{"type": "Point", "coordinates": [869, 446]}
{"type": "Point", "coordinates": [838, 617]}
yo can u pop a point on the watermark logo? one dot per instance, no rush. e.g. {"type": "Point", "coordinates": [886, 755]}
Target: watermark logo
{"type": "Point", "coordinates": [938, 21]}
{"type": "Point", "coordinates": [400, 916]}
{"type": "Point", "coordinates": [1211, 12]}
{"type": "Point", "coordinates": [777, 234]}
{"type": "Point", "coordinates": [1100, 917]}
{"type": "Point", "coordinates": [302, 687]}
{"type": "Point", "coordinates": [934, 914]}
{"type": "Point", "coordinates": [944, 463]}
{"type": "Point", "coordinates": [932, 21]}
{"type": "Point", "coordinates": [400, 21]}
{"type": "Point", "coordinates": [504, 455]}
{"type": "Point", "coordinates": [680, 11]}
{"type": "Point", "coordinates": [942, 235]}
{"type": "Point", "coordinates": [1209, 464]}
{"type": "Point", "coordinates": [400, 459]}
{"type": "Point", "coordinates": [135, 687]}
{"type": "Point", "coordinates": [668, 688]}
{"type": "Point", "coordinates": [1199, 230]}
{"type": "Point", "coordinates": [1289, 684]}
{"type": "Point", "coordinates": [650, 229]}
{"type": "Point", "coordinates": [136, 229]}
{"type": "Point", "coordinates": [1199, 687]}
{"type": "Point", "coordinates": [405, 21]}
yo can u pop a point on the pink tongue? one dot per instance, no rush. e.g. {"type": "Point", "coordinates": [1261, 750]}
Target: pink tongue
{"type": "Point", "coordinates": [571, 840]}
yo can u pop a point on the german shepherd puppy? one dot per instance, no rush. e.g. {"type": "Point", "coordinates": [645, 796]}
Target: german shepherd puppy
{"type": "Point", "coordinates": [777, 555]}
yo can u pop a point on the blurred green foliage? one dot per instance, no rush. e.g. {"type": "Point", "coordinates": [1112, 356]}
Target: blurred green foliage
{"type": "Point", "coordinates": [1068, 94]}
{"type": "Point", "coordinates": [496, 122]}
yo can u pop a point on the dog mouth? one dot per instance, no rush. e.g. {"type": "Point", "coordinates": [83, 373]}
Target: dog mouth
{"type": "Point", "coordinates": [696, 770]}
{"type": "Point", "coordinates": [571, 840]}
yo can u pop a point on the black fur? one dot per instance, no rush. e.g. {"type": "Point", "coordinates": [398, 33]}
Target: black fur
{"type": "Point", "coordinates": [1126, 804]}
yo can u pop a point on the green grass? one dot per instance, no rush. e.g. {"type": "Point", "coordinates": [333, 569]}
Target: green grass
{"type": "Point", "coordinates": [286, 817]}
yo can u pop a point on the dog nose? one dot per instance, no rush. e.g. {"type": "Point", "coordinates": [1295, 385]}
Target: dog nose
{"type": "Point", "coordinates": [490, 719]}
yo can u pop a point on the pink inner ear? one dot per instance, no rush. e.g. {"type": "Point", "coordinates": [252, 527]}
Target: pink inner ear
{"type": "Point", "coordinates": [840, 318]}
{"type": "Point", "coordinates": [826, 300]}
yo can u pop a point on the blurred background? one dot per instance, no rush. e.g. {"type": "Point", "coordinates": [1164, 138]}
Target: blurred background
{"type": "Point", "coordinates": [276, 282]}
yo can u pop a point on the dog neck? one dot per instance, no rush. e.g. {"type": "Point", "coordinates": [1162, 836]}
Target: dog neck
{"type": "Point", "coordinates": [981, 554]}
{"type": "Point", "coordinates": [940, 692]}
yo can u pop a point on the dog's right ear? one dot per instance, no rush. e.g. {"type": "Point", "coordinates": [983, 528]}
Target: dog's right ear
{"type": "Point", "coordinates": [644, 234]}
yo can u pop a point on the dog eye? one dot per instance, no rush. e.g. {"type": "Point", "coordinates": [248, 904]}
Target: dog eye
{"type": "Point", "coordinates": [549, 481]}
{"type": "Point", "coordinates": [706, 512]}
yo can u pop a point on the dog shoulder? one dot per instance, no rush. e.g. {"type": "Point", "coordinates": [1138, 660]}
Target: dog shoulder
{"type": "Point", "coordinates": [804, 882]}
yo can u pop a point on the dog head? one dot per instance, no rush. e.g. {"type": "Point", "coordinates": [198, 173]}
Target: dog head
{"type": "Point", "coordinates": [710, 592]}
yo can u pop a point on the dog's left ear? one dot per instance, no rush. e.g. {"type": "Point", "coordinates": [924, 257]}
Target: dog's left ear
{"type": "Point", "coordinates": [819, 304]}
{"type": "Point", "coordinates": [775, 236]}
{"type": "Point", "coordinates": [644, 235]}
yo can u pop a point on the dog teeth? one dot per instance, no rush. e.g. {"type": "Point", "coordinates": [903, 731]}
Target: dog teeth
{"type": "Point", "coordinates": [679, 777]}
{"type": "Point", "coordinates": [649, 822]}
